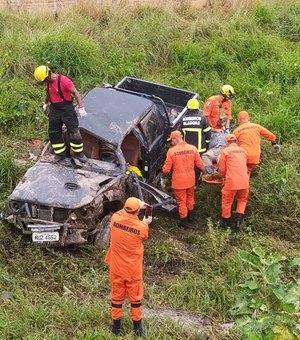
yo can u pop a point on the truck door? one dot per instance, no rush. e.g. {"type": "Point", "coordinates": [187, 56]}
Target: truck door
{"type": "Point", "coordinates": [153, 129]}
{"type": "Point", "coordinates": [133, 147]}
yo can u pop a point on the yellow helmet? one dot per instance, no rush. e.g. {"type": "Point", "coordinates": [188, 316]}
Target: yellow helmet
{"type": "Point", "coordinates": [41, 73]}
{"type": "Point", "coordinates": [193, 104]}
{"type": "Point", "coordinates": [227, 91]}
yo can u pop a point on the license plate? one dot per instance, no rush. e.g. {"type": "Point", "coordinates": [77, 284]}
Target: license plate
{"type": "Point", "coordinates": [45, 236]}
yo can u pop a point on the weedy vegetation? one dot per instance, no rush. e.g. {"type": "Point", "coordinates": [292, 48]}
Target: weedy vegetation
{"type": "Point", "coordinates": [267, 303]}
{"type": "Point", "coordinates": [250, 278]}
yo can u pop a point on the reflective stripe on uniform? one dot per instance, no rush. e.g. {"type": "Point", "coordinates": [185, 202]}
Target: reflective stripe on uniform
{"type": "Point", "coordinates": [58, 145]}
{"type": "Point", "coordinates": [207, 129]}
{"type": "Point", "coordinates": [136, 305]}
{"type": "Point", "coordinates": [199, 132]}
{"type": "Point", "coordinates": [58, 148]}
{"type": "Point", "coordinates": [76, 147]}
{"type": "Point", "coordinates": [116, 305]}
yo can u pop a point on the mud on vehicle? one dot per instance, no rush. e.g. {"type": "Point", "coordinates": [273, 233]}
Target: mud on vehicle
{"type": "Point", "coordinates": [124, 138]}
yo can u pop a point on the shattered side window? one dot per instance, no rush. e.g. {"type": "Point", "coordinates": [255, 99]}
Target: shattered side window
{"type": "Point", "coordinates": [151, 127]}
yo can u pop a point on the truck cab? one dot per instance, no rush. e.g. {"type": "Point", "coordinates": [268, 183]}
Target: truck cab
{"type": "Point", "coordinates": [124, 136]}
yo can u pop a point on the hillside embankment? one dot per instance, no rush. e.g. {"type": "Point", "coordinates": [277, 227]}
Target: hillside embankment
{"type": "Point", "coordinates": [63, 294]}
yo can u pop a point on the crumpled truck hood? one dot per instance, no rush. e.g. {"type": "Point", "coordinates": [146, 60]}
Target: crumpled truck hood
{"type": "Point", "coordinates": [58, 186]}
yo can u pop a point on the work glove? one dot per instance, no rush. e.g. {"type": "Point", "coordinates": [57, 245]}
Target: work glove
{"type": "Point", "coordinates": [46, 108]}
{"type": "Point", "coordinates": [227, 131]}
{"type": "Point", "coordinates": [147, 220]}
{"type": "Point", "coordinates": [82, 112]}
{"type": "Point", "coordinates": [276, 147]}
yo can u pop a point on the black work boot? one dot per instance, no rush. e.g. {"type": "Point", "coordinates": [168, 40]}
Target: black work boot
{"type": "Point", "coordinates": [137, 328]}
{"type": "Point", "coordinates": [182, 223]}
{"type": "Point", "coordinates": [81, 157]}
{"type": "Point", "coordinates": [238, 221]}
{"type": "Point", "coordinates": [59, 157]}
{"type": "Point", "coordinates": [191, 216]}
{"type": "Point", "coordinates": [224, 222]}
{"type": "Point", "coordinates": [116, 327]}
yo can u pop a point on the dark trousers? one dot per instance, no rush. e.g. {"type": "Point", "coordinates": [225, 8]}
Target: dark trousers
{"type": "Point", "coordinates": [64, 113]}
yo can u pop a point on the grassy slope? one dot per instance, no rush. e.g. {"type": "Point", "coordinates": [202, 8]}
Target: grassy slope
{"type": "Point", "coordinates": [64, 293]}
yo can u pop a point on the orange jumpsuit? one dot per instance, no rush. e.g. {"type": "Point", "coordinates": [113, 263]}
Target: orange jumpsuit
{"type": "Point", "coordinates": [125, 260]}
{"type": "Point", "coordinates": [248, 136]}
{"type": "Point", "coordinates": [233, 168]}
{"type": "Point", "coordinates": [182, 158]}
{"type": "Point", "coordinates": [212, 108]}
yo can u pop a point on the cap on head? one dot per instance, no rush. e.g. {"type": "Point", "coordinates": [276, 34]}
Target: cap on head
{"type": "Point", "coordinates": [243, 115]}
{"type": "Point", "coordinates": [132, 204]}
{"type": "Point", "coordinates": [230, 138]}
{"type": "Point", "coordinates": [193, 104]}
{"type": "Point", "coordinates": [175, 134]}
{"type": "Point", "coordinates": [41, 73]}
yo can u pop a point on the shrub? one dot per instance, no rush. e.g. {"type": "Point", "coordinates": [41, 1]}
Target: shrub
{"type": "Point", "coordinates": [68, 53]}
{"type": "Point", "coordinates": [266, 305]}
{"type": "Point", "coordinates": [288, 22]}
{"type": "Point", "coordinates": [18, 103]}
{"type": "Point", "coordinates": [263, 15]}
{"type": "Point", "coordinates": [9, 172]}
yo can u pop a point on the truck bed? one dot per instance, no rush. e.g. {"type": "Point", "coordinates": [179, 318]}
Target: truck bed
{"type": "Point", "coordinates": [174, 99]}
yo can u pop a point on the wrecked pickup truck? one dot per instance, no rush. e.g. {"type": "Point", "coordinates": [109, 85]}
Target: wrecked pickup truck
{"type": "Point", "coordinates": [124, 138]}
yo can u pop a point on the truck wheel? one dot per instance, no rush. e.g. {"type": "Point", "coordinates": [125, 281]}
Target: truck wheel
{"type": "Point", "coordinates": [102, 236]}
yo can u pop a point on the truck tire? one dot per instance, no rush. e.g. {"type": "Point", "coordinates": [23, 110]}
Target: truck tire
{"type": "Point", "coordinates": [102, 236]}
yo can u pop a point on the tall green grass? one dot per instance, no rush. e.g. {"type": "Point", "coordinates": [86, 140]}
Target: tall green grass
{"type": "Point", "coordinates": [63, 294]}
{"type": "Point", "coordinates": [183, 47]}
{"type": "Point", "coordinates": [10, 172]}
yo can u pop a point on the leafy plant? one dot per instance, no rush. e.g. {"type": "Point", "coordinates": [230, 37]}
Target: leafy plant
{"type": "Point", "coordinates": [68, 53]}
{"type": "Point", "coordinates": [267, 305]}
{"type": "Point", "coordinates": [9, 172]}
{"type": "Point", "coordinates": [288, 22]}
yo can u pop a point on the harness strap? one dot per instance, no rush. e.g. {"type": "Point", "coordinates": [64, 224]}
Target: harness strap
{"type": "Point", "coordinates": [59, 91]}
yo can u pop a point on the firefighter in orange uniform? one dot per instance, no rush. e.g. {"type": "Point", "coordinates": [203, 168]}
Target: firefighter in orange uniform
{"type": "Point", "coordinates": [233, 168]}
{"type": "Point", "coordinates": [248, 137]}
{"type": "Point", "coordinates": [183, 157]}
{"type": "Point", "coordinates": [218, 107]}
{"type": "Point", "coordinates": [125, 260]}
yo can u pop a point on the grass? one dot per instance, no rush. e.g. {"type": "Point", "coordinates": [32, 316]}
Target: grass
{"type": "Point", "coordinates": [63, 294]}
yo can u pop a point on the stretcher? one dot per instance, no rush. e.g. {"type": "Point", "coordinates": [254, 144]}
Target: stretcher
{"type": "Point", "coordinates": [215, 178]}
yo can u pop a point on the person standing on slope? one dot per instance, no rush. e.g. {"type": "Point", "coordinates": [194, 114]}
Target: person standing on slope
{"type": "Point", "coordinates": [248, 137]}
{"type": "Point", "coordinates": [233, 168]}
{"type": "Point", "coordinates": [196, 129]}
{"type": "Point", "coordinates": [59, 102]}
{"type": "Point", "coordinates": [217, 108]}
{"type": "Point", "coordinates": [125, 260]}
{"type": "Point", "coordinates": [182, 158]}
